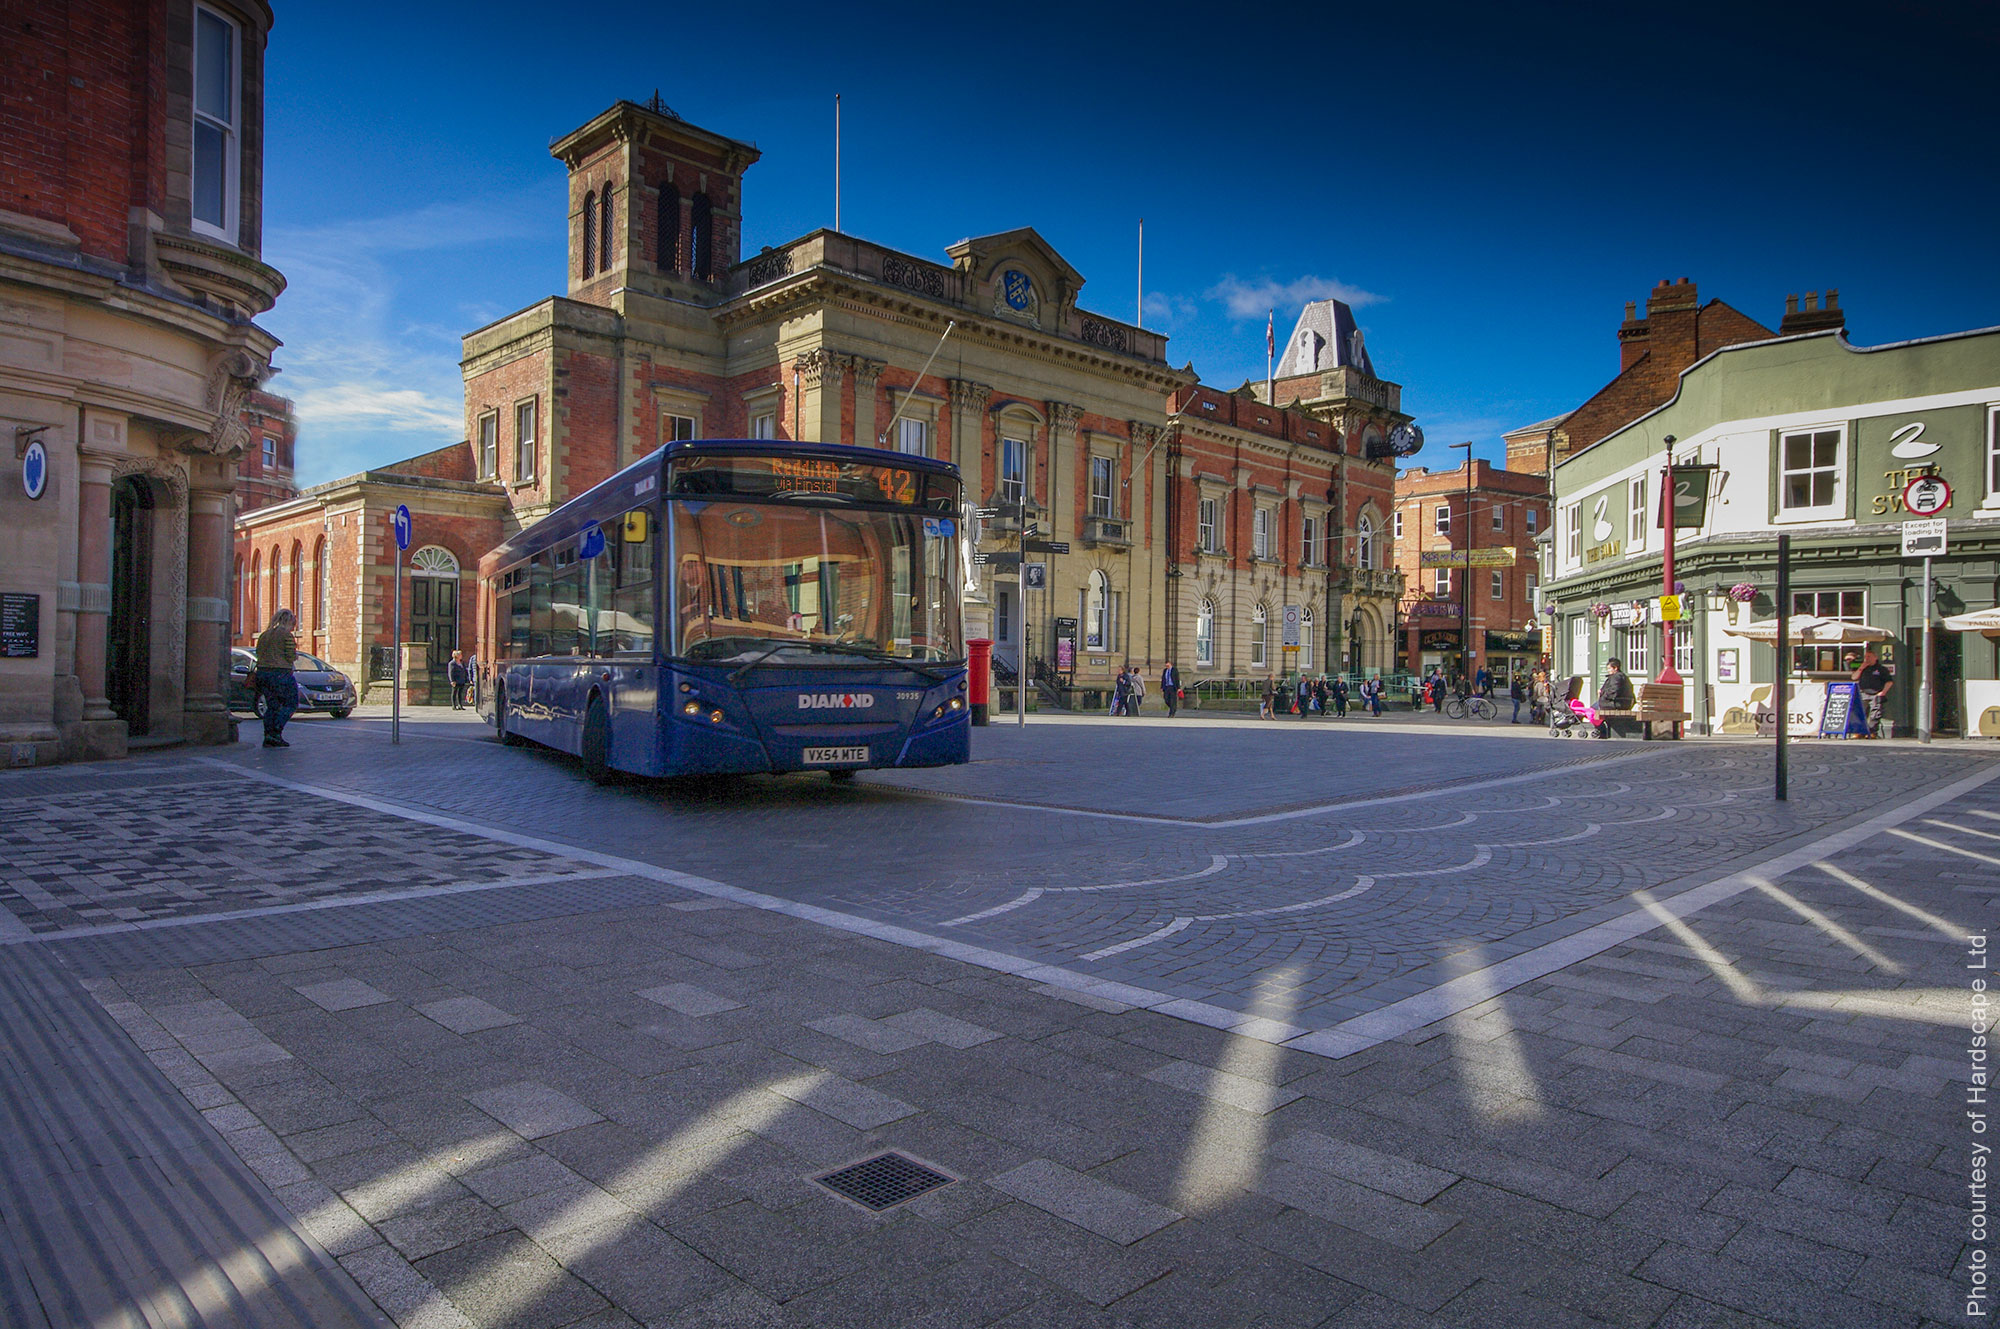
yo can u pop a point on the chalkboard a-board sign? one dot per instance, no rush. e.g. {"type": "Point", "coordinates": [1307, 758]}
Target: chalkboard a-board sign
{"type": "Point", "coordinates": [1844, 716]}
{"type": "Point", "coordinates": [20, 625]}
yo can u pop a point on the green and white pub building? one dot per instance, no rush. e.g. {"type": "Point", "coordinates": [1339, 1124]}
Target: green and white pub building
{"type": "Point", "coordinates": [1810, 436]}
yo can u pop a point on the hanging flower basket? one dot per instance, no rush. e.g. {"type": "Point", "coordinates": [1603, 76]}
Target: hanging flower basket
{"type": "Point", "coordinates": [1743, 592]}
{"type": "Point", "coordinates": [1601, 610]}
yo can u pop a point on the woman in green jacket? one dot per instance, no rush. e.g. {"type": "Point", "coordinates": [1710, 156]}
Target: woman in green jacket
{"type": "Point", "coordinates": [277, 650]}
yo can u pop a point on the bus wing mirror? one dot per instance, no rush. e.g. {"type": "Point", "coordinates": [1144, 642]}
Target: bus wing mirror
{"type": "Point", "coordinates": [635, 527]}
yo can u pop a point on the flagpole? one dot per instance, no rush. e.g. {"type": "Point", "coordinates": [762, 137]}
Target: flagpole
{"type": "Point", "coordinates": [836, 162]}
{"type": "Point", "coordinates": [1270, 358]}
{"type": "Point", "coordinates": [1139, 321]}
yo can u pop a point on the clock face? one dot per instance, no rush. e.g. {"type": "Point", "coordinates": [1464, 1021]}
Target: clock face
{"type": "Point", "coordinates": [1017, 289]}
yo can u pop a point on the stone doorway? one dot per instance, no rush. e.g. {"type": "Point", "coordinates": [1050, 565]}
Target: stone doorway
{"type": "Point", "coordinates": [434, 614]}
{"type": "Point", "coordinates": [128, 642]}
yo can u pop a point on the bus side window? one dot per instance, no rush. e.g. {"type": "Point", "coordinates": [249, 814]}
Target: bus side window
{"type": "Point", "coordinates": [541, 615]}
{"type": "Point", "coordinates": [632, 600]}
{"type": "Point", "coordinates": [567, 629]}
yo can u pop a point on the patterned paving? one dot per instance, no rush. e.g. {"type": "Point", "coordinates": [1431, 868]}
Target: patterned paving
{"type": "Point", "coordinates": [162, 849]}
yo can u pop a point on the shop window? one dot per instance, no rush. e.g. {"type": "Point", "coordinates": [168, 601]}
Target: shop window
{"type": "Point", "coordinates": [1683, 649]}
{"type": "Point", "coordinates": [1632, 645]}
{"type": "Point", "coordinates": [1842, 606]}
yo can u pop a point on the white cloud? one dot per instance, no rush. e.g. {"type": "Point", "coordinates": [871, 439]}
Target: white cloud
{"type": "Point", "coordinates": [1247, 299]}
{"type": "Point", "coordinates": [366, 357]}
{"type": "Point", "coordinates": [1166, 310]}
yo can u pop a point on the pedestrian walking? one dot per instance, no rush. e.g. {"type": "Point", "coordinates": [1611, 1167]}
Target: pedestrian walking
{"type": "Point", "coordinates": [1437, 691]}
{"type": "Point", "coordinates": [1482, 682]}
{"type": "Point", "coordinates": [1302, 698]}
{"type": "Point", "coordinates": [1121, 692]}
{"type": "Point", "coordinates": [1264, 704]}
{"type": "Point", "coordinates": [460, 676]}
{"type": "Point", "coordinates": [277, 686]}
{"type": "Point", "coordinates": [1516, 694]}
{"type": "Point", "coordinates": [1374, 687]}
{"type": "Point", "coordinates": [1137, 693]}
{"type": "Point", "coordinates": [1170, 689]}
{"type": "Point", "coordinates": [1340, 698]}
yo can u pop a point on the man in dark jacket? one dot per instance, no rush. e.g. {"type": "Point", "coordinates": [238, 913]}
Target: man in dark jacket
{"type": "Point", "coordinates": [1614, 694]}
{"type": "Point", "coordinates": [1170, 688]}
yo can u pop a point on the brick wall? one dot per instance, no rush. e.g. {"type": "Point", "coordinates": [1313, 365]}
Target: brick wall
{"type": "Point", "coordinates": [1677, 330]}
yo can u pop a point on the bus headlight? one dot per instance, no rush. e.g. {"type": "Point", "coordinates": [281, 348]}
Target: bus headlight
{"type": "Point", "coordinates": [691, 708]}
{"type": "Point", "coordinates": [955, 704]}
{"type": "Point", "coordinates": [715, 717]}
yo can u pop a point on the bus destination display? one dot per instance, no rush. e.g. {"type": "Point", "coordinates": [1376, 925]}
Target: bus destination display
{"type": "Point", "coordinates": [751, 477]}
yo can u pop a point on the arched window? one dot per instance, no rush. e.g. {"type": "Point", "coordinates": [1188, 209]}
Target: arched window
{"type": "Point", "coordinates": [298, 581]}
{"type": "Point", "coordinates": [1100, 614]}
{"type": "Point", "coordinates": [1364, 542]}
{"type": "Point", "coordinates": [589, 233]}
{"type": "Point", "coordinates": [670, 229]}
{"type": "Point", "coordinates": [320, 615]}
{"type": "Point", "coordinates": [701, 239]}
{"type": "Point", "coordinates": [274, 592]}
{"type": "Point", "coordinates": [253, 619]}
{"type": "Point", "coordinates": [604, 214]}
{"type": "Point", "coordinates": [1260, 626]}
{"type": "Point", "coordinates": [1305, 639]}
{"type": "Point", "coordinates": [1204, 633]}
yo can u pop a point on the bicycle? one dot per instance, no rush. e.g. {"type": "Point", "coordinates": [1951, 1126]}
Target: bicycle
{"type": "Point", "coordinates": [1480, 708]}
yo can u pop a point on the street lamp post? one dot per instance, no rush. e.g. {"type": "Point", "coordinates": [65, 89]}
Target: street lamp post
{"type": "Point", "coordinates": [1668, 674]}
{"type": "Point", "coordinates": [1465, 577]}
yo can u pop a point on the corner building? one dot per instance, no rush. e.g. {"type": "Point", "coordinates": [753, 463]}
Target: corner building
{"type": "Point", "coordinates": [131, 220]}
{"type": "Point", "coordinates": [667, 331]}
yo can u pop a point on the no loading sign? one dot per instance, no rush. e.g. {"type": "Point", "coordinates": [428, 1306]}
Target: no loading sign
{"type": "Point", "coordinates": [1926, 495]}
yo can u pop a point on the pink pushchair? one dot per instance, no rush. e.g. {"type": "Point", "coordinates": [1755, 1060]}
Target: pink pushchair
{"type": "Point", "coordinates": [1565, 720]}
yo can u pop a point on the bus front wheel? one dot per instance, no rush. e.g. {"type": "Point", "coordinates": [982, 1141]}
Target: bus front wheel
{"type": "Point", "coordinates": [596, 752]}
{"type": "Point", "coordinates": [841, 777]}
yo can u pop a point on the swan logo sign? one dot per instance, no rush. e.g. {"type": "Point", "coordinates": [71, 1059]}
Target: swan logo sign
{"type": "Point", "coordinates": [835, 701]}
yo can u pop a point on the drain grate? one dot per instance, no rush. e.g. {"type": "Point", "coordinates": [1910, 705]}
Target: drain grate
{"type": "Point", "coordinates": [884, 1181]}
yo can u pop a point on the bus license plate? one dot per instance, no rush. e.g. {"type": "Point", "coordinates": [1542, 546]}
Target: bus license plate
{"type": "Point", "coordinates": [834, 756]}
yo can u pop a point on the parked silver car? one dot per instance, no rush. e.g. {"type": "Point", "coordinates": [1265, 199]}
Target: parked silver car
{"type": "Point", "coordinates": [321, 686]}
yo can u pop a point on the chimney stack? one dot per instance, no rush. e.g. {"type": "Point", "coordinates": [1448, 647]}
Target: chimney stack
{"type": "Point", "coordinates": [1808, 316]}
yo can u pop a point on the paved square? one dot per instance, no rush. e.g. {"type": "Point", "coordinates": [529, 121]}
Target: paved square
{"type": "Point", "coordinates": [1539, 1043]}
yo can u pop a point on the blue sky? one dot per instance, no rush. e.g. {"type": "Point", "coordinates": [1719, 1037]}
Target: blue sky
{"type": "Point", "coordinates": [1487, 185]}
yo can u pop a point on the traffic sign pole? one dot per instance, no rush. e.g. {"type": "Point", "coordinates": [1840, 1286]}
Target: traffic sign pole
{"type": "Point", "coordinates": [396, 659]}
{"type": "Point", "coordinates": [1924, 687]}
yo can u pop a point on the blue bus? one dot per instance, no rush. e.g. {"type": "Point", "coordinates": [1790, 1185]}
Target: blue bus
{"type": "Point", "coordinates": [734, 606]}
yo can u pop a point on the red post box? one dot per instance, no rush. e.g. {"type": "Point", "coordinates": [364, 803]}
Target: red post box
{"type": "Point", "coordinates": [979, 675]}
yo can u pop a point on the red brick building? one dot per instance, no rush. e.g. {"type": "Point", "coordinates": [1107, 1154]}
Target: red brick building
{"type": "Point", "coordinates": [1494, 605]}
{"type": "Point", "coordinates": [264, 471]}
{"type": "Point", "coordinates": [131, 221]}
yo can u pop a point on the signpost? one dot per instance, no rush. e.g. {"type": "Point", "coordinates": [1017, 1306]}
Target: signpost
{"type": "Point", "coordinates": [1925, 539]}
{"type": "Point", "coordinates": [400, 519]}
{"type": "Point", "coordinates": [35, 469]}
{"type": "Point", "coordinates": [1290, 619]}
{"type": "Point", "coordinates": [1926, 496]}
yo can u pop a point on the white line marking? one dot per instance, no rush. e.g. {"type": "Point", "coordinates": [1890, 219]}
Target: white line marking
{"type": "Point", "coordinates": [1025, 897]}
{"type": "Point", "coordinates": [1216, 863]}
{"type": "Point", "coordinates": [1589, 829]}
{"type": "Point", "coordinates": [1167, 931]}
{"type": "Point", "coordinates": [1361, 885]}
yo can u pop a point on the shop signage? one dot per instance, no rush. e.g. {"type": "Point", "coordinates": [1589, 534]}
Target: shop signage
{"type": "Point", "coordinates": [1513, 643]}
{"type": "Point", "coordinates": [20, 626]}
{"type": "Point", "coordinates": [1438, 641]}
{"type": "Point", "coordinates": [1065, 654]}
{"type": "Point", "coordinates": [1844, 716]}
{"type": "Point", "coordinates": [1691, 485]}
{"type": "Point", "coordinates": [1598, 553]}
{"type": "Point", "coordinates": [1433, 609]}
{"type": "Point", "coordinates": [35, 470]}
{"type": "Point", "coordinates": [1463, 558]}
{"type": "Point", "coordinates": [1629, 615]}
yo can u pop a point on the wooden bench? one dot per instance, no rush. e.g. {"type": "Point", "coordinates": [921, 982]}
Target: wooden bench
{"type": "Point", "coordinates": [1659, 704]}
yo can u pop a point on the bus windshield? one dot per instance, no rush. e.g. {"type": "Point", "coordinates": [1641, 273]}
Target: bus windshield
{"type": "Point", "coordinates": [784, 583]}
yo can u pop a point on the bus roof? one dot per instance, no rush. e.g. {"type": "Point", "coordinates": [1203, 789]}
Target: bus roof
{"type": "Point", "coordinates": [619, 493]}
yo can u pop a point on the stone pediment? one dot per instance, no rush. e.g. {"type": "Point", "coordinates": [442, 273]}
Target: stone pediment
{"type": "Point", "coordinates": [1018, 275]}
